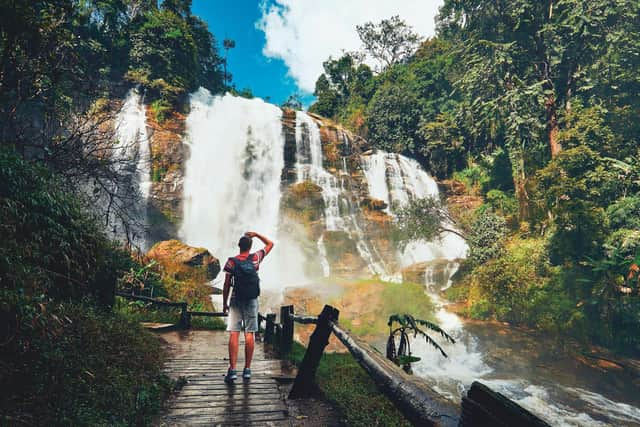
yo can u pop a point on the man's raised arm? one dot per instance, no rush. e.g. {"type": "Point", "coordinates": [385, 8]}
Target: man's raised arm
{"type": "Point", "coordinates": [268, 244]}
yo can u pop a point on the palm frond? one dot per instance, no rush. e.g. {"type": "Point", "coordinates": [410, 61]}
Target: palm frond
{"type": "Point", "coordinates": [437, 329]}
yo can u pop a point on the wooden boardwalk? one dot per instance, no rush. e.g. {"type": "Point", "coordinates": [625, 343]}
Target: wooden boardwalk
{"type": "Point", "coordinates": [201, 358]}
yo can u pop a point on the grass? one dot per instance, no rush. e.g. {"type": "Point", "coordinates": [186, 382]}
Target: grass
{"type": "Point", "coordinates": [350, 389]}
{"type": "Point", "coordinates": [381, 299]}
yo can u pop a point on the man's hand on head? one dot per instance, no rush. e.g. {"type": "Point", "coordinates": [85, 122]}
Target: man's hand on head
{"type": "Point", "coordinates": [251, 234]}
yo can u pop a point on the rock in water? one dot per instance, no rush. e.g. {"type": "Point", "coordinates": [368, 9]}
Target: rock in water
{"type": "Point", "coordinates": [181, 258]}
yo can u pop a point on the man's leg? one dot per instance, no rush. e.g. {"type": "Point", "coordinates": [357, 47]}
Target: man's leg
{"type": "Point", "coordinates": [233, 348]}
{"type": "Point", "coordinates": [249, 344]}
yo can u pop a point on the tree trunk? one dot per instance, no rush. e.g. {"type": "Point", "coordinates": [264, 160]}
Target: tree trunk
{"type": "Point", "coordinates": [552, 127]}
{"type": "Point", "coordinates": [519, 184]}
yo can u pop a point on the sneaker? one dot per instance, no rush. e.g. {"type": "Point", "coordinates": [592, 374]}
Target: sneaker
{"type": "Point", "coordinates": [246, 374]}
{"type": "Point", "coordinates": [231, 376]}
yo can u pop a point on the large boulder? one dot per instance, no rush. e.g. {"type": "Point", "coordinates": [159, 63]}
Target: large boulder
{"type": "Point", "coordinates": [184, 260]}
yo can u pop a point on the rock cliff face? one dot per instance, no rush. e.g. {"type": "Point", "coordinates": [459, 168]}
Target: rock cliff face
{"type": "Point", "coordinates": [168, 154]}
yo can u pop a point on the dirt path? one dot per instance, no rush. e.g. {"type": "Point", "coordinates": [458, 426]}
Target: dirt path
{"type": "Point", "coordinates": [200, 357]}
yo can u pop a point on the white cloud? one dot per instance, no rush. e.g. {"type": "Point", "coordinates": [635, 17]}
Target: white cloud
{"type": "Point", "coordinates": [304, 33]}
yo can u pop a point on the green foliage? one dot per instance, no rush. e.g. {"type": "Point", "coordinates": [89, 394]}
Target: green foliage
{"type": "Point", "coordinates": [389, 42]}
{"type": "Point", "coordinates": [344, 80]}
{"type": "Point", "coordinates": [408, 324]}
{"type": "Point", "coordinates": [66, 359]}
{"type": "Point", "coordinates": [75, 365]}
{"type": "Point", "coordinates": [350, 389]}
{"type": "Point", "coordinates": [160, 109]}
{"type": "Point", "coordinates": [393, 118]}
{"type": "Point", "coordinates": [502, 203]}
{"type": "Point", "coordinates": [422, 219]}
{"type": "Point", "coordinates": [474, 178]}
{"type": "Point", "coordinates": [486, 237]}
{"type": "Point", "coordinates": [50, 246]}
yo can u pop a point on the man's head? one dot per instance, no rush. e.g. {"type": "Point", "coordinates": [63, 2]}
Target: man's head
{"type": "Point", "coordinates": [245, 243]}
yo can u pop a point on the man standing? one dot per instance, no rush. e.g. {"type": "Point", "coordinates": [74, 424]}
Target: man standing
{"type": "Point", "coordinates": [242, 275]}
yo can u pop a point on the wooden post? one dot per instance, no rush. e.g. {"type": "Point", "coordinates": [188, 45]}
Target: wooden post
{"type": "Point", "coordinates": [185, 317]}
{"type": "Point", "coordinates": [304, 384]}
{"type": "Point", "coordinates": [286, 320]}
{"type": "Point", "coordinates": [268, 332]}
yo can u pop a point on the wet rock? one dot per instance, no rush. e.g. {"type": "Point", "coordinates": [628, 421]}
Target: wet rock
{"type": "Point", "coordinates": [373, 204]}
{"type": "Point", "coordinates": [434, 274]}
{"type": "Point", "coordinates": [289, 132]}
{"type": "Point", "coordinates": [342, 253]}
{"type": "Point", "coordinates": [303, 201]}
{"type": "Point", "coordinates": [183, 260]}
{"type": "Point", "coordinates": [168, 154]}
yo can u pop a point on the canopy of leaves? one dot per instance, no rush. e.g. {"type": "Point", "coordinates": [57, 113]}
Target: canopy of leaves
{"type": "Point", "coordinates": [389, 42]}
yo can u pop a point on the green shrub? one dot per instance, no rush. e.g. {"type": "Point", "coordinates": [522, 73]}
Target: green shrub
{"type": "Point", "coordinates": [486, 237]}
{"type": "Point", "coordinates": [75, 365]}
{"type": "Point", "coordinates": [474, 178]}
{"type": "Point", "coordinates": [160, 109]}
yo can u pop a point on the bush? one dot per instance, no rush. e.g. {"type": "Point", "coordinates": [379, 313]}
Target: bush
{"type": "Point", "coordinates": [75, 365]}
{"type": "Point", "coordinates": [486, 237]}
{"type": "Point", "coordinates": [65, 359]}
{"type": "Point", "coordinates": [50, 246]}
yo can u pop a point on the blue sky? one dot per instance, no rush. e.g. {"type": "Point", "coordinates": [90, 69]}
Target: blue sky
{"type": "Point", "coordinates": [281, 44]}
{"type": "Point", "coordinates": [236, 19]}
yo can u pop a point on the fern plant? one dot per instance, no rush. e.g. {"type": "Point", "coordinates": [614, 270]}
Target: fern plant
{"type": "Point", "coordinates": [407, 324]}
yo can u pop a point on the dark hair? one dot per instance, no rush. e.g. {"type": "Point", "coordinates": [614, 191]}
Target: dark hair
{"type": "Point", "coordinates": [245, 243]}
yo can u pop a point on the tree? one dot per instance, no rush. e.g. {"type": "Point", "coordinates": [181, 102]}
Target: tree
{"type": "Point", "coordinates": [408, 324]}
{"type": "Point", "coordinates": [393, 118]}
{"type": "Point", "coordinates": [227, 44]}
{"type": "Point", "coordinates": [389, 42]}
{"type": "Point", "coordinates": [344, 79]}
{"type": "Point", "coordinates": [293, 102]}
{"type": "Point", "coordinates": [424, 219]}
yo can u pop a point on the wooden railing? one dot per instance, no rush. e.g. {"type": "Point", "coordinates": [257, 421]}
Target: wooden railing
{"type": "Point", "coordinates": [412, 395]}
{"type": "Point", "coordinates": [185, 313]}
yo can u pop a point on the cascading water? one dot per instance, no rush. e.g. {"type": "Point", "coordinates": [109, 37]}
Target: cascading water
{"type": "Point", "coordinates": [232, 181]}
{"type": "Point", "coordinates": [396, 180]}
{"type": "Point", "coordinates": [134, 159]}
{"type": "Point", "coordinates": [339, 211]}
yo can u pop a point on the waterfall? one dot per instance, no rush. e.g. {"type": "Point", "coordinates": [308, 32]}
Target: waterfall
{"type": "Point", "coordinates": [397, 180]}
{"type": "Point", "coordinates": [134, 160]}
{"type": "Point", "coordinates": [232, 181]}
{"type": "Point", "coordinates": [339, 211]}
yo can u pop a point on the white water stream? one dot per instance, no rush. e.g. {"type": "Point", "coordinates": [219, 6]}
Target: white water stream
{"type": "Point", "coordinates": [396, 180]}
{"type": "Point", "coordinates": [134, 159]}
{"type": "Point", "coordinates": [339, 212]}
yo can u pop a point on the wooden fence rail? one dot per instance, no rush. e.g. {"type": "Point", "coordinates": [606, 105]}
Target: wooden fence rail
{"type": "Point", "coordinates": [412, 395]}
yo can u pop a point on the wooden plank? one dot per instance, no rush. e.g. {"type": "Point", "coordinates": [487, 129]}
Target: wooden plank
{"type": "Point", "coordinates": [233, 392]}
{"type": "Point", "coordinates": [217, 410]}
{"type": "Point", "coordinates": [223, 403]}
{"type": "Point", "coordinates": [254, 418]}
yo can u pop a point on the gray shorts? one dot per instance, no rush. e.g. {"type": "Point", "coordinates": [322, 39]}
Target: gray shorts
{"type": "Point", "coordinates": [243, 313]}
